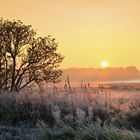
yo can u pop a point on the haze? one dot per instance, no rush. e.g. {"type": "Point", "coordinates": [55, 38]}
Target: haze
{"type": "Point", "coordinates": [97, 75]}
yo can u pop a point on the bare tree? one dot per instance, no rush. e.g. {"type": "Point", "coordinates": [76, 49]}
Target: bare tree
{"type": "Point", "coordinates": [25, 59]}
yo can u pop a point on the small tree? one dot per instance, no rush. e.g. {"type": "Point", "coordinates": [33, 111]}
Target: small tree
{"type": "Point", "coordinates": [25, 59]}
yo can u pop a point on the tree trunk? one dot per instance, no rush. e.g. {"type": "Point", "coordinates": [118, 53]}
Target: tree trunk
{"type": "Point", "coordinates": [6, 73]}
{"type": "Point", "coordinates": [13, 74]}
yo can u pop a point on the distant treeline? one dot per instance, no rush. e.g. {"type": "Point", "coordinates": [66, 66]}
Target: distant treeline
{"type": "Point", "coordinates": [99, 74]}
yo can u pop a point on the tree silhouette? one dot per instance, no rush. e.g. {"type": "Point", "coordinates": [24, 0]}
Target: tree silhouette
{"type": "Point", "coordinates": [24, 58]}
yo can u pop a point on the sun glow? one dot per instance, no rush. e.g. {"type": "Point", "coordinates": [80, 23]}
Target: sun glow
{"type": "Point", "coordinates": [104, 64]}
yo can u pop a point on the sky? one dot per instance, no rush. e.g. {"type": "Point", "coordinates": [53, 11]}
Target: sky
{"type": "Point", "coordinates": [88, 31]}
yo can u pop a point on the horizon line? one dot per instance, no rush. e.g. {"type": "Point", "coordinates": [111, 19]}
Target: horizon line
{"type": "Point", "coordinates": [82, 67]}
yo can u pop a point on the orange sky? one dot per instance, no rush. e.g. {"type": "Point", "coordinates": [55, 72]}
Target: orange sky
{"type": "Point", "coordinates": [88, 31]}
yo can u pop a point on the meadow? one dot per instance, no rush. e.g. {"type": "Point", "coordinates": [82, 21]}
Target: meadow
{"type": "Point", "coordinates": [84, 112]}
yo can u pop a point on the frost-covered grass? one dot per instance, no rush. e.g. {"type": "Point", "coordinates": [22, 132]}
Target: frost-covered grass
{"type": "Point", "coordinates": [87, 132]}
{"type": "Point", "coordinates": [67, 132]}
{"type": "Point", "coordinates": [79, 114]}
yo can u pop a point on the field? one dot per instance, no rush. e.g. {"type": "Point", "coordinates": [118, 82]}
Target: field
{"type": "Point", "coordinates": [77, 112]}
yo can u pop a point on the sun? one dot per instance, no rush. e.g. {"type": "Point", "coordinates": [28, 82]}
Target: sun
{"type": "Point", "coordinates": [104, 64]}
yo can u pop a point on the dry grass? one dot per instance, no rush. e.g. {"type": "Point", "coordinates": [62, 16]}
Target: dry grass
{"type": "Point", "coordinates": [94, 104]}
{"type": "Point", "coordinates": [74, 109]}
